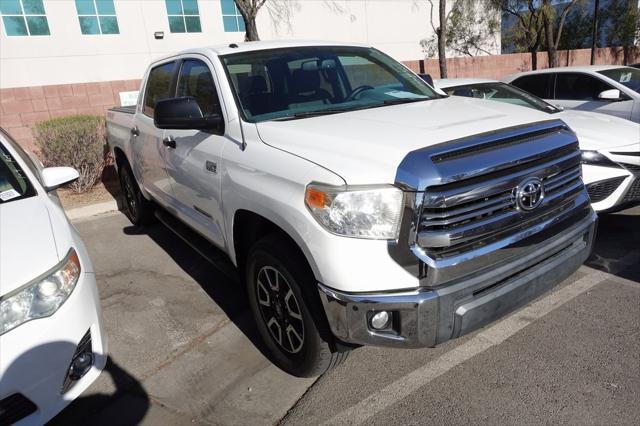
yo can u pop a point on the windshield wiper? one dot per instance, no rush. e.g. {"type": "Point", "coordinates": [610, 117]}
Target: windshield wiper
{"type": "Point", "coordinates": [307, 114]}
{"type": "Point", "coordinates": [403, 101]}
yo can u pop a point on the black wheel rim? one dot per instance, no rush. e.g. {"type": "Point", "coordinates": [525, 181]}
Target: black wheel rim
{"type": "Point", "coordinates": [129, 194]}
{"type": "Point", "coordinates": [280, 309]}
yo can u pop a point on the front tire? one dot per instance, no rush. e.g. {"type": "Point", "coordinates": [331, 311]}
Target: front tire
{"type": "Point", "coordinates": [138, 209]}
{"type": "Point", "coordinates": [287, 310]}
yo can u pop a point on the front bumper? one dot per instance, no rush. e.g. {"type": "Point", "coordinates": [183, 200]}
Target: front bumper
{"type": "Point", "coordinates": [427, 317]}
{"type": "Point", "coordinates": [35, 357]}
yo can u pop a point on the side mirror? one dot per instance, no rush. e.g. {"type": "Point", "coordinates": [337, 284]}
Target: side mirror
{"type": "Point", "coordinates": [610, 95]}
{"type": "Point", "coordinates": [427, 78]}
{"type": "Point", "coordinates": [55, 177]}
{"type": "Point", "coordinates": [184, 113]}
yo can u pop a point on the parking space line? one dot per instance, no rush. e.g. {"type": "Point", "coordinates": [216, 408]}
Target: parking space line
{"type": "Point", "coordinates": [492, 336]}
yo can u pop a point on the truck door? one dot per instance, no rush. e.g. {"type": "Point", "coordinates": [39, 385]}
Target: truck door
{"type": "Point", "coordinates": [146, 140]}
{"type": "Point", "coordinates": [193, 156]}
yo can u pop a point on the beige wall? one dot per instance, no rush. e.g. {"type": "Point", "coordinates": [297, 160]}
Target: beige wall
{"type": "Point", "coordinates": [67, 56]}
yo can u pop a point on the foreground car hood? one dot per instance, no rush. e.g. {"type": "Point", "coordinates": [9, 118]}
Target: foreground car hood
{"type": "Point", "coordinates": [601, 131]}
{"type": "Point", "coordinates": [366, 146]}
{"type": "Point", "coordinates": [27, 246]}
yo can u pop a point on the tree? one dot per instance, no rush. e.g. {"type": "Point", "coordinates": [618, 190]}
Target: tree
{"type": "Point", "coordinates": [553, 26]}
{"type": "Point", "coordinates": [527, 34]}
{"type": "Point", "coordinates": [621, 18]}
{"type": "Point", "coordinates": [249, 10]}
{"type": "Point", "coordinates": [468, 28]}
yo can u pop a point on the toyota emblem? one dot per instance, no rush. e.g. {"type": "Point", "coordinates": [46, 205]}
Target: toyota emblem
{"type": "Point", "coordinates": [529, 194]}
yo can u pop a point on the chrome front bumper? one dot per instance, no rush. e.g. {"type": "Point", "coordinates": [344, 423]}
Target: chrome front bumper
{"type": "Point", "coordinates": [426, 317]}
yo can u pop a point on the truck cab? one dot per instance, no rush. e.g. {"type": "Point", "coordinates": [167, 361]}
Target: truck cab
{"type": "Point", "coordinates": [360, 206]}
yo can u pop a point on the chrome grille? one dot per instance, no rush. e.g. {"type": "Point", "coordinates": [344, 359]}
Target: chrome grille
{"type": "Point", "coordinates": [462, 215]}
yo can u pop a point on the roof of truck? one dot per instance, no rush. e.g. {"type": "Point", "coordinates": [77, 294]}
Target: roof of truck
{"type": "Point", "coordinates": [224, 49]}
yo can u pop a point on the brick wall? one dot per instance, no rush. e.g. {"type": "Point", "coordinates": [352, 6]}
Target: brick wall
{"type": "Point", "coordinates": [499, 66]}
{"type": "Point", "coordinates": [21, 108]}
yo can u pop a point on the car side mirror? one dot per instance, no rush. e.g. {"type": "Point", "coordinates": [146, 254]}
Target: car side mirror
{"type": "Point", "coordinates": [427, 78]}
{"type": "Point", "coordinates": [184, 113]}
{"type": "Point", "coordinates": [55, 177]}
{"type": "Point", "coordinates": [610, 95]}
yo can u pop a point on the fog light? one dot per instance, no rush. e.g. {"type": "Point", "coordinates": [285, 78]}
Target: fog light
{"type": "Point", "coordinates": [80, 365]}
{"type": "Point", "coordinates": [380, 320]}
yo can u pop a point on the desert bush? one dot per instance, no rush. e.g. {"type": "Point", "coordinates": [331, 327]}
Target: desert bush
{"type": "Point", "coordinates": [77, 141]}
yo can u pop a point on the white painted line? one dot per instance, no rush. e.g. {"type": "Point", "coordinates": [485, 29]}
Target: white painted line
{"type": "Point", "coordinates": [494, 335]}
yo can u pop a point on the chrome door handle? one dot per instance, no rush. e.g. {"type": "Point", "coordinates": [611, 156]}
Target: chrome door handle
{"type": "Point", "coordinates": [169, 142]}
{"type": "Point", "coordinates": [135, 132]}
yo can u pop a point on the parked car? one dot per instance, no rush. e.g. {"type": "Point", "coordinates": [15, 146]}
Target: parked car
{"type": "Point", "coordinates": [52, 346]}
{"type": "Point", "coordinates": [610, 145]}
{"type": "Point", "coordinates": [360, 206]}
{"type": "Point", "coordinates": [608, 89]}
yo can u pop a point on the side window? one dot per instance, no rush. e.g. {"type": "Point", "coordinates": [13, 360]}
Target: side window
{"type": "Point", "coordinates": [579, 87]}
{"type": "Point", "coordinates": [538, 85]}
{"type": "Point", "coordinates": [158, 86]}
{"type": "Point", "coordinates": [195, 80]}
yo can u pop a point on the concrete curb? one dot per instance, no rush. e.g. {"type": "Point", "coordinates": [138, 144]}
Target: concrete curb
{"type": "Point", "coordinates": [92, 210]}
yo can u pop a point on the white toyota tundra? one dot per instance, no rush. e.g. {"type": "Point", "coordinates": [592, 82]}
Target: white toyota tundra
{"type": "Point", "coordinates": [360, 206]}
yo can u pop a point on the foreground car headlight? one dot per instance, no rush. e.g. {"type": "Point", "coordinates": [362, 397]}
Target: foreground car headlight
{"type": "Point", "coordinates": [594, 158]}
{"type": "Point", "coordinates": [359, 212]}
{"type": "Point", "coordinates": [42, 297]}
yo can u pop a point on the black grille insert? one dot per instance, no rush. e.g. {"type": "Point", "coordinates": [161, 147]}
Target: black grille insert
{"type": "Point", "coordinates": [633, 193]}
{"type": "Point", "coordinates": [84, 346]}
{"type": "Point", "coordinates": [14, 408]}
{"type": "Point", "coordinates": [600, 190]}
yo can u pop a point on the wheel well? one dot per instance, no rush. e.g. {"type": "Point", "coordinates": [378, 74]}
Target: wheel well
{"type": "Point", "coordinates": [120, 157]}
{"type": "Point", "coordinates": [249, 227]}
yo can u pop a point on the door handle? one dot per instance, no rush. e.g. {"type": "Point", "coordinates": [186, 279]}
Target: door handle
{"type": "Point", "coordinates": [169, 142]}
{"type": "Point", "coordinates": [135, 132]}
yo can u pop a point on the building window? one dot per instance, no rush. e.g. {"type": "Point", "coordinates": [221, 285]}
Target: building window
{"type": "Point", "coordinates": [97, 17]}
{"type": "Point", "coordinates": [24, 17]}
{"type": "Point", "coordinates": [231, 18]}
{"type": "Point", "coordinates": [183, 16]}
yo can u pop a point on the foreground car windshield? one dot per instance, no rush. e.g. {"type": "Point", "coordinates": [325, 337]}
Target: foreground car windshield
{"type": "Point", "coordinates": [501, 92]}
{"type": "Point", "coordinates": [306, 81]}
{"type": "Point", "coordinates": [627, 76]}
{"type": "Point", "coordinates": [13, 183]}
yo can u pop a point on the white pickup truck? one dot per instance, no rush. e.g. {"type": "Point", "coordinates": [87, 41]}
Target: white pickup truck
{"type": "Point", "coordinates": [360, 206]}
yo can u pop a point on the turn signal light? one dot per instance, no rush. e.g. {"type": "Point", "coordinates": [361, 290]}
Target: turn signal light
{"type": "Point", "coordinates": [315, 198]}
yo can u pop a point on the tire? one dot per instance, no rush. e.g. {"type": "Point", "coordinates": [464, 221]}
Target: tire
{"type": "Point", "coordinates": [138, 209]}
{"type": "Point", "coordinates": [287, 309]}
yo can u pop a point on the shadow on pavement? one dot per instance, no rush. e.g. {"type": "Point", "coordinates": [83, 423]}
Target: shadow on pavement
{"type": "Point", "coordinates": [228, 292]}
{"type": "Point", "coordinates": [618, 235]}
{"type": "Point", "coordinates": [135, 402]}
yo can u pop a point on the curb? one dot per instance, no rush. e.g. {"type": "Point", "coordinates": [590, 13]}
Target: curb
{"type": "Point", "coordinates": [92, 210]}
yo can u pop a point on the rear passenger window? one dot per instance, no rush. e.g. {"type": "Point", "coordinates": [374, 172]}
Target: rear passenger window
{"type": "Point", "coordinates": [158, 86]}
{"type": "Point", "coordinates": [579, 87]}
{"type": "Point", "coordinates": [195, 80]}
{"type": "Point", "coordinates": [538, 85]}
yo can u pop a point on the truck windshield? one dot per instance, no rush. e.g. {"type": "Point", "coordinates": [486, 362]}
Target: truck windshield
{"type": "Point", "coordinates": [501, 92]}
{"type": "Point", "coordinates": [301, 82]}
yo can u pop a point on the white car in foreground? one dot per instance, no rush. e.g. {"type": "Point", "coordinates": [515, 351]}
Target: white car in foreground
{"type": "Point", "coordinates": [608, 89]}
{"type": "Point", "coordinates": [52, 346]}
{"type": "Point", "coordinates": [610, 145]}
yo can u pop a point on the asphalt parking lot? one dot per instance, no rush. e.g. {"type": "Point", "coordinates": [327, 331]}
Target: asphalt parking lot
{"type": "Point", "coordinates": [183, 349]}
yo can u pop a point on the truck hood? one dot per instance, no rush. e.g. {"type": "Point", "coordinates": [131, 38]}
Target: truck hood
{"type": "Point", "coordinates": [367, 146]}
{"type": "Point", "coordinates": [600, 131]}
{"type": "Point", "coordinates": [27, 246]}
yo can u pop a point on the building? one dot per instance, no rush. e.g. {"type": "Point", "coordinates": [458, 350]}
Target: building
{"type": "Point", "coordinates": [62, 57]}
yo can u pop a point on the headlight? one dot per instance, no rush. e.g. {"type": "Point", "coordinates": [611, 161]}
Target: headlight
{"type": "Point", "coordinates": [359, 212]}
{"type": "Point", "coordinates": [42, 297]}
{"type": "Point", "coordinates": [594, 158]}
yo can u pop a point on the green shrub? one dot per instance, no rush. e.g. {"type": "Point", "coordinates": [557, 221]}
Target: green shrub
{"type": "Point", "coordinates": [77, 141]}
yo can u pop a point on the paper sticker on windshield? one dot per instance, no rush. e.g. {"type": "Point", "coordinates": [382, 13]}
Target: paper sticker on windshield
{"type": "Point", "coordinates": [625, 78]}
{"type": "Point", "coordinates": [9, 194]}
{"type": "Point", "coordinates": [402, 94]}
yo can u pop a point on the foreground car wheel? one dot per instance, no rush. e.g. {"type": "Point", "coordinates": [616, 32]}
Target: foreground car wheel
{"type": "Point", "coordinates": [287, 312]}
{"type": "Point", "coordinates": [137, 208]}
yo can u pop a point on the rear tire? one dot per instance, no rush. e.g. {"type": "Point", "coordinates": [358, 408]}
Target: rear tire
{"type": "Point", "coordinates": [286, 307]}
{"type": "Point", "coordinates": [138, 209]}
